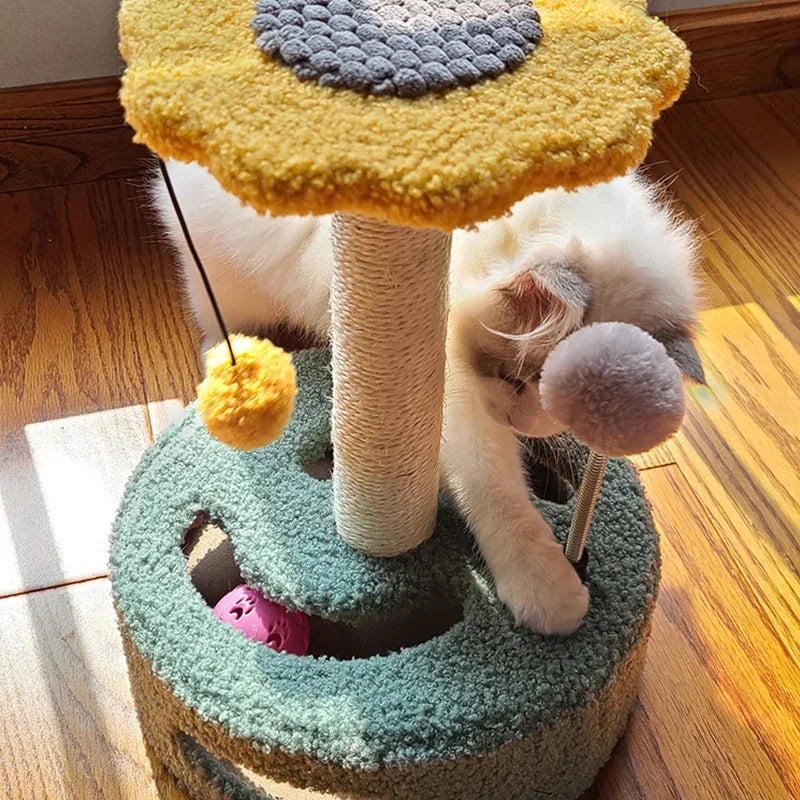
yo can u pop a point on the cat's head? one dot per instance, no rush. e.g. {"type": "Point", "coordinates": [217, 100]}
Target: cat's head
{"type": "Point", "coordinates": [504, 333]}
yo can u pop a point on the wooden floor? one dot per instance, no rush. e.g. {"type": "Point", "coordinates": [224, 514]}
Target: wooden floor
{"type": "Point", "coordinates": [97, 358]}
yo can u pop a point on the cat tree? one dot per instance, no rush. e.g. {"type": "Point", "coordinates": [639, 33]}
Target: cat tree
{"type": "Point", "coordinates": [406, 121]}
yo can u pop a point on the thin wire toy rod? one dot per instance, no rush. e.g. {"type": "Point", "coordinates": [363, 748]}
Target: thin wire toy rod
{"type": "Point", "coordinates": [190, 244]}
{"type": "Point", "coordinates": [584, 508]}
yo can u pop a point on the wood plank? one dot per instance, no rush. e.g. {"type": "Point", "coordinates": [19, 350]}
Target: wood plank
{"type": "Point", "coordinates": [67, 324]}
{"type": "Point", "coordinates": [77, 157]}
{"type": "Point", "coordinates": [63, 331]}
{"type": "Point", "coordinates": [657, 457]}
{"type": "Point", "coordinates": [168, 343]}
{"type": "Point", "coordinates": [164, 414]}
{"type": "Point", "coordinates": [60, 108]}
{"type": "Point", "coordinates": [89, 302]}
{"type": "Point", "coordinates": [65, 133]}
{"type": "Point", "coordinates": [95, 318]}
{"type": "Point", "coordinates": [740, 445]}
{"type": "Point", "coordinates": [61, 481]}
{"type": "Point", "coordinates": [783, 106]}
{"type": "Point", "coordinates": [68, 728]}
{"type": "Point", "coordinates": [718, 716]}
{"type": "Point", "coordinates": [740, 49]}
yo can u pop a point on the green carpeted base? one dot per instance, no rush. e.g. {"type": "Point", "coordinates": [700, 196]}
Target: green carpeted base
{"type": "Point", "coordinates": [485, 710]}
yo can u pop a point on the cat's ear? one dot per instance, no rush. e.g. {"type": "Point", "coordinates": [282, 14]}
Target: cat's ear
{"type": "Point", "coordinates": [551, 292]}
{"type": "Point", "coordinates": [564, 280]}
{"type": "Point", "coordinates": [680, 348]}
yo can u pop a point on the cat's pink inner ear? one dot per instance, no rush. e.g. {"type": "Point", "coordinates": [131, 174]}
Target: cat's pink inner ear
{"type": "Point", "coordinates": [529, 299]}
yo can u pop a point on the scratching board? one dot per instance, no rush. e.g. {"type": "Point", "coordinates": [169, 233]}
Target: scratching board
{"type": "Point", "coordinates": [484, 710]}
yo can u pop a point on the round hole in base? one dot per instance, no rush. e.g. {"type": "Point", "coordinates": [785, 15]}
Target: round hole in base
{"type": "Point", "coordinates": [210, 559]}
{"type": "Point", "coordinates": [546, 483]}
{"type": "Point", "coordinates": [320, 469]}
{"type": "Point", "coordinates": [211, 563]}
{"type": "Point", "coordinates": [236, 780]}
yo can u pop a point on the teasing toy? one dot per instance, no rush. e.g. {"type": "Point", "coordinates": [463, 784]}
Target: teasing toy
{"type": "Point", "coordinates": [264, 621]}
{"type": "Point", "coordinates": [614, 386]}
{"type": "Point", "coordinates": [405, 120]}
{"type": "Point", "coordinates": [247, 403]}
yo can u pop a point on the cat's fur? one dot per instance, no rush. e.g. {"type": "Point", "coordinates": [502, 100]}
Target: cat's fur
{"type": "Point", "coordinates": [518, 285]}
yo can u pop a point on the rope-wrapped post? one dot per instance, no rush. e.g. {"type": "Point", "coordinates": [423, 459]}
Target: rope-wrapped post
{"type": "Point", "coordinates": [389, 323]}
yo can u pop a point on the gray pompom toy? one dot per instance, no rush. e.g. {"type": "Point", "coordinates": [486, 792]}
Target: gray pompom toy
{"type": "Point", "coordinates": [615, 387]}
{"type": "Point", "coordinates": [618, 390]}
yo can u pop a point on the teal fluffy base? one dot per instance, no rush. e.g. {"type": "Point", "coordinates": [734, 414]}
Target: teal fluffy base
{"type": "Point", "coordinates": [485, 710]}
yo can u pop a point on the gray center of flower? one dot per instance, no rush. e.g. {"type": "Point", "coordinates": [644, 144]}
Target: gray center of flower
{"type": "Point", "coordinates": [405, 48]}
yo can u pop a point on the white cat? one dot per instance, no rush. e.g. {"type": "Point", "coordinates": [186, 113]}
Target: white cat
{"type": "Point", "coordinates": [518, 285]}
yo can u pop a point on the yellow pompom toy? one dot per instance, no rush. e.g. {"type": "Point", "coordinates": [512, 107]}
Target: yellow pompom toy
{"type": "Point", "coordinates": [247, 405]}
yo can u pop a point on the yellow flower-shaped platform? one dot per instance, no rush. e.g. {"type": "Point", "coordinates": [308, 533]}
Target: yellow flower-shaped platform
{"type": "Point", "coordinates": [579, 110]}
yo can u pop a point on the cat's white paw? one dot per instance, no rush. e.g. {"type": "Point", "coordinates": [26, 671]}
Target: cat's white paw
{"type": "Point", "coordinates": [543, 590]}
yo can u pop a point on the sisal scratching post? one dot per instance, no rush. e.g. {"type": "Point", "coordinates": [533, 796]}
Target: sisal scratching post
{"type": "Point", "coordinates": [389, 315]}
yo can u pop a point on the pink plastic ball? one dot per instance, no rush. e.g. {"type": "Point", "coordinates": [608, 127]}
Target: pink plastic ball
{"type": "Point", "coordinates": [265, 621]}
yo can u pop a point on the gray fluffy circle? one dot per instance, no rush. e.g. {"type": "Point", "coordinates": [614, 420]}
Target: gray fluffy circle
{"type": "Point", "coordinates": [405, 47]}
{"type": "Point", "coordinates": [615, 387]}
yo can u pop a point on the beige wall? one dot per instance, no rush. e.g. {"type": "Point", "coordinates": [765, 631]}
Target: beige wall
{"type": "Point", "coordinates": [43, 41]}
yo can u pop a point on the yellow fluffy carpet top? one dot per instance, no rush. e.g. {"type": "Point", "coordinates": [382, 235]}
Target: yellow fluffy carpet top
{"type": "Point", "coordinates": [247, 405]}
{"type": "Point", "coordinates": [579, 110]}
